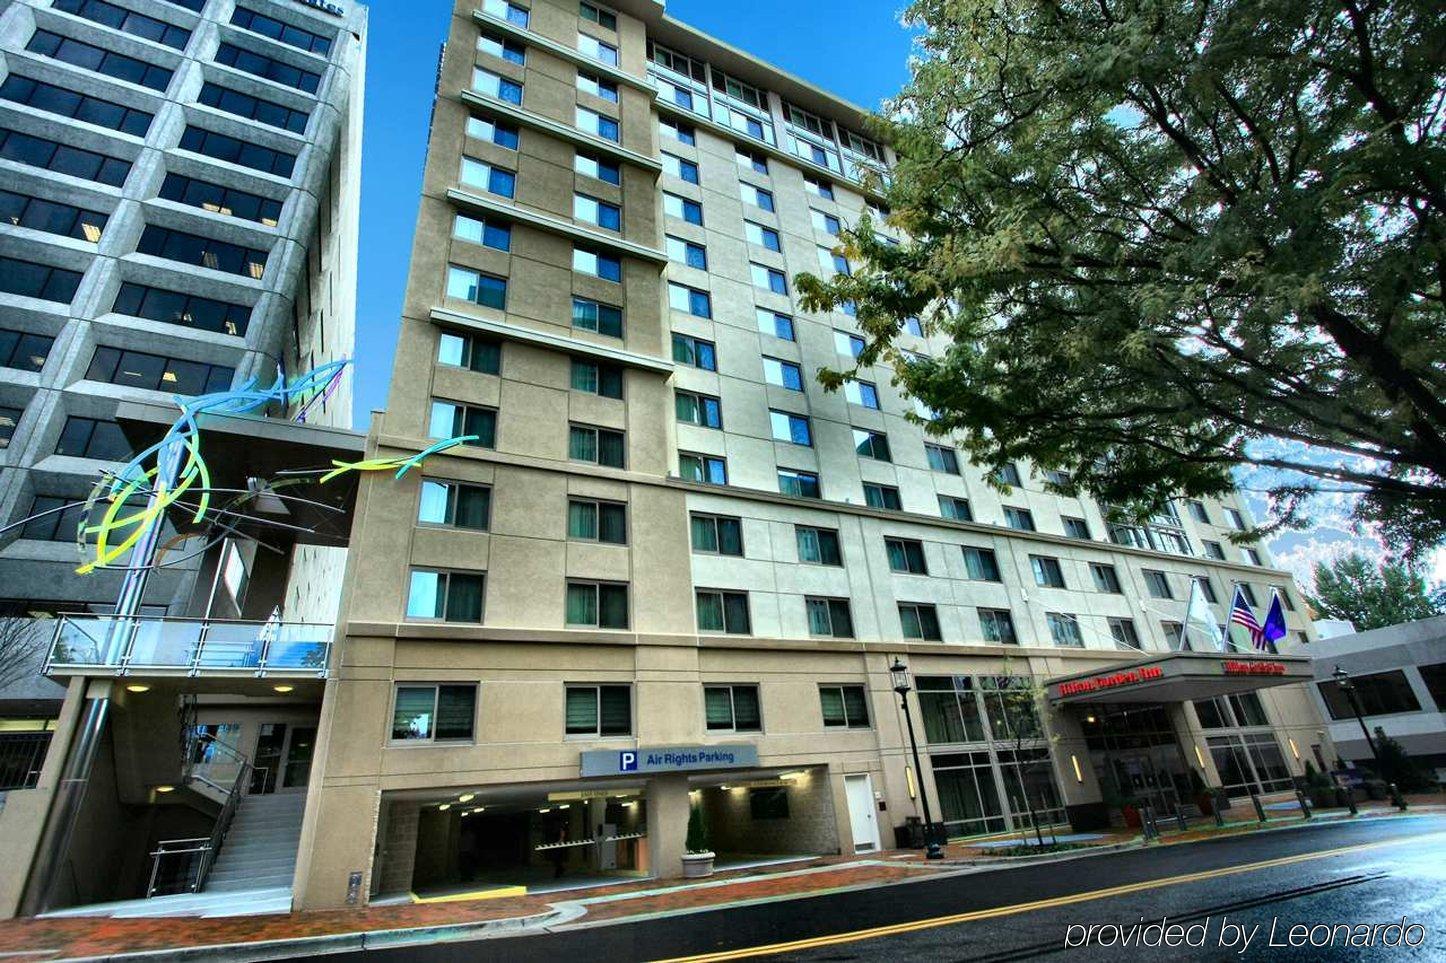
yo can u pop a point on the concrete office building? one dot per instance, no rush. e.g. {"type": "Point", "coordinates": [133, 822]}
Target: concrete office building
{"type": "Point", "coordinates": [667, 567]}
{"type": "Point", "coordinates": [179, 186]}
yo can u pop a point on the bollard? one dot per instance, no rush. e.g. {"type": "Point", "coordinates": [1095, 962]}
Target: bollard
{"type": "Point", "coordinates": [1259, 809]}
{"type": "Point", "coordinates": [1304, 804]}
{"type": "Point", "coordinates": [1217, 808]}
{"type": "Point", "coordinates": [1398, 798]}
{"type": "Point", "coordinates": [1180, 818]}
{"type": "Point", "coordinates": [1147, 822]}
{"type": "Point", "coordinates": [1349, 796]}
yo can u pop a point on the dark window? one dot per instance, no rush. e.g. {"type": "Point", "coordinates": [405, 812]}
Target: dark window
{"type": "Point", "coordinates": [434, 713]}
{"type": "Point", "coordinates": [595, 521]}
{"type": "Point", "coordinates": [1047, 572]}
{"type": "Point", "coordinates": [445, 596]}
{"type": "Point", "coordinates": [952, 506]}
{"type": "Point", "coordinates": [716, 534]}
{"type": "Point", "coordinates": [818, 545]}
{"type": "Point", "coordinates": [590, 315]}
{"type": "Point", "coordinates": [56, 523]}
{"type": "Point", "coordinates": [276, 30]}
{"type": "Point", "coordinates": [942, 459]}
{"type": "Point", "coordinates": [1076, 527]}
{"type": "Point", "coordinates": [732, 707]}
{"type": "Point", "coordinates": [1008, 475]}
{"type": "Point", "coordinates": [196, 5]}
{"type": "Point", "coordinates": [469, 285]}
{"type": "Point", "coordinates": [599, 446]}
{"type": "Point", "coordinates": [799, 484]}
{"type": "Point", "coordinates": [599, 710]}
{"type": "Point", "coordinates": [220, 200]}
{"type": "Point", "coordinates": [1020, 518]}
{"type": "Point", "coordinates": [455, 504]}
{"type": "Point", "coordinates": [722, 612]}
{"type": "Point", "coordinates": [69, 103]}
{"type": "Point", "coordinates": [1106, 578]}
{"type": "Point", "coordinates": [1435, 678]}
{"type": "Point", "coordinates": [844, 706]}
{"type": "Point", "coordinates": [102, 61]}
{"type": "Point", "coordinates": [62, 158]}
{"type": "Point", "coordinates": [830, 617]}
{"type": "Point", "coordinates": [1158, 584]}
{"type": "Point", "coordinates": [980, 564]}
{"type": "Point", "coordinates": [236, 151]}
{"type": "Point", "coordinates": [267, 112]}
{"type": "Point", "coordinates": [997, 625]}
{"type": "Point", "coordinates": [30, 280]}
{"type": "Point", "coordinates": [127, 21]}
{"type": "Point", "coordinates": [51, 217]}
{"type": "Point", "coordinates": [707, 469]}
{"type": "Point", "coordinates": [872, 444]}
{"type": "Point", "coordinates": [906, 555]}
{"type": "Point", "coordinates": [470, 351]}
{"type": "Point", "coordinates": [692, 408]}
{"type": "Point", "coordinates": [920, 622]}
{"type": "Point", "coordinates": [1379, 694]}
{"type": "Point", "coordinates": [603, 605]}
{"type": "Point", "coordinates": [694, 352]}
{"type": "Point", "coordinates": [190, 310]}
{"type": "Point", "coordinates": [93, 438]}
{"type": "Point", "coordinates": [24, 351]}
{"type": "Point", "coordinates": [202, 251]}
{"type": "Point", "coordinates": [154, 372]}
{"type": "Point", "coordinates": [450, 419]}
{"type": "Point", "coordinates": [9, 418]}
{"type": "Point", "coordinates": [267, 68]}
{"type": "Point", "coordinates": [882, 496]}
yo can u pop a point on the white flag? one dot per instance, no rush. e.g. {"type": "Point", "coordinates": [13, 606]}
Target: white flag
{"type": "Point", "coordinates": [1200, 620]}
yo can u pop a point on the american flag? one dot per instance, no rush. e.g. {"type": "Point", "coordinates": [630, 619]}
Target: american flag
{"type": "Point", "coordinates": [1241, 615]}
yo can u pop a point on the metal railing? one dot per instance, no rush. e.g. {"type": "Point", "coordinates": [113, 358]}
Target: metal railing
{"type": "Point", "coordinates": [183, 865]}
{"type": "Point", "coordinates": [190, 646]}
{"type": "Point", "coordinates": [21, 756]}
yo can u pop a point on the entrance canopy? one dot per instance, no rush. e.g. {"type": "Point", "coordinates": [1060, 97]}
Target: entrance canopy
{"type": "Point", "coordinates": [1179, 676]}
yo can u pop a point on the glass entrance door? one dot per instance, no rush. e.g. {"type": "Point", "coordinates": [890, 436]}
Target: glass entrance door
{"type": "Point", "coordinates": [297, 770]}
{"type": "Point", "coordinates": [266, 760]}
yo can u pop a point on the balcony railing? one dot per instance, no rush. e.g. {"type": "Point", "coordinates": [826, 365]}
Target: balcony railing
{"type": "Point", "coordinates": [105, 645]}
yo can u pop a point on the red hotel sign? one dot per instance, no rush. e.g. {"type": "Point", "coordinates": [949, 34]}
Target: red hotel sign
{"type": "Point", "coordinates": [1113, 681]}
{"type": "Point", "coordinates": [1236, 667]}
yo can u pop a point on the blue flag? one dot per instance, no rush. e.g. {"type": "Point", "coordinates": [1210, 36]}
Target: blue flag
{"type": "Point", "coordinates": [1274, 627]}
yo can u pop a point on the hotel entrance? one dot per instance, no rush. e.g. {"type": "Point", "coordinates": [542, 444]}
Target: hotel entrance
{"type": "Point", "coordinates": [1136, 755]}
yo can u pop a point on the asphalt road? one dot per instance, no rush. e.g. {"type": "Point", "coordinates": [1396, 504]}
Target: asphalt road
{"type": "Point", "coordinates": [1388, 869]}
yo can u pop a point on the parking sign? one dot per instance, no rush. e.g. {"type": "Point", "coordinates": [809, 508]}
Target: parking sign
{"type": "Point", "coordinates": [628, 761]}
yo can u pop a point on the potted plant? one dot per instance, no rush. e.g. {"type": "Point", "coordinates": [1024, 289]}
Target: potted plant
{"type": "Point", "coordinates": [698, 860]}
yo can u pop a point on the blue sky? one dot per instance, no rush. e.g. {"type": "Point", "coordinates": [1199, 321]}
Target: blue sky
{"type": "Point", "coordinates": [854, 48]}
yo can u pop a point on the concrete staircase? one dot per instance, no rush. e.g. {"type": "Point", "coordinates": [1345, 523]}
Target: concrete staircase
{"type": "Point", "coordinates": [260, 850]}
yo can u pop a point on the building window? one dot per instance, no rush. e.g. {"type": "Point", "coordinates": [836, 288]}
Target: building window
{"type": "Point", "coordinates": [692, 408]}
{"type": "Point", "coordinates": [1064, 629]}
{"type": "Point", "coordinates": [1008, 474]}
{"type": "Point", "coordinates": [276, 30]}
{"type": "Point", "coordinates": [602, 605]}
{"type": "Point", "coordinates": [1207, 589]}
{"type": "Point", "coordinates": [51, 217]}
{"type": "Point", "coordinates": [59, 519]}
{"type": "Point", "coordinates": [1285, 598]}
{"type": "Point", "coordinates": [266, 112]}
{"type": "Point", "coordinates": [153, 372]}
{"type": "Point", "coordinates": [997, 625]}
{"type": "Point", "coordinates": [882, 496]}
{"type": "Point", "coordinates": [1076, 527]}
{"type": "Point", "coordinates": [107, 62]}
{"type": "Point", "coordinates": [599, 710]}
{"type": "Point", "coordinates": [595, 521]}
{"type": "Point", "coordinates": [751, 160]}
{"type": "Point", "coordinates": [268, 68]}
{"type": "Point", "coordinates": [510, 12]}
{"type": "Point", "coordinates": [498, 86]}
{"type": "Point", "coordinates": [1435, 678]}
{"type": "Point", "coordinates": [756, 196]}
{"type": "Point", "coordinates": [1020, 518]}
{"type": "Point", "coordinates": [942, 459]}
{"type": "Point", "coordinates": [829, 617]}
{"type": "Point", "coordinates": [62, 159]}
{"type": "Point", "coordinates": [818, 187]}
{"type": "Point", "coordinates": [590, 210]}
{"type": "Point", "coordinates": [1237, 520]}
{"type": "Point", "coordinates": [830, 262]}
{"type": "Point", "coordinates": [494, 132]}
{"type": "Point", "coordinates": [764, 237]}
{"type": "Point", "coordinates": [591, 122]}
{"type": "Point", "coordinates": [920, 621]}
{"type": "Point", "coordinates": [775, 324]}
{"type": "Point", "coordinates": [768, 279]}
{"type": "Point", "coordinates": [705, 469]}
{"type": "Point", "coordinates": [682, 133]}
{"type": "Point", "coordinates": [1379, 693]}
{"type": "Point", "coordinates": [1157, 584]}
{"type": "Point", "coordinates": [1213, 550]}
{"type": "Point", "coordinates": [786, 374]}
{"type": "Point", "coordinates": [906, 555]}
{"type": "Point", "coordinates": [590, 315]}
{"type": "Point", "coordinates": [503, 49]}
{"type": "Point", "coordinates": [41, 281]}
{"type": "Point", "coordinates": [1249, 594]}
{"type": "Point", "coordinates": [235, 151]}
{"type": "Point", "coordinates": [680, 168]}
{"type": "Point", "coordinates": [818, 546]}
{"type": "Point", "coordinates": [598, 50]}
{"type": "Point", "coordinates": [220, 200]}
{"type": "Point", "coordinates": [482, 289]}
{"type": "Point", "coordinates": [731, 708]}
{"type": "Point", "coordinates": [434, 713]}
{"type": "Point", "coordinates": [451, 419]}
{"type": "Point", "coordinates": [93, 438]}
{"type": "Point", "coordinates": [956, 508]}
{"type": "Point", "coordinates": [682, 208]}
{"type": "Point", "coordinates": [494, 180]}
{"type": "Point", "coordinates": [608, 267]}
{"type": "Point", "coordinates": [1174, 634]}
{"type": "Point", "coordinates": [825, 223]}
{"type": "Point", "coordinates": [1124, 634]}
{"type": "Point", "coordinates": [695, 302]}
{"type": "Point", "coordinates": [455, 505]}
{"type": "Point", "coordinates": [203, 252]}
{"type": "Point", "coordinates": [609, 172]}
{"type": "Point", "coordinates": [799, 484]}
{"type": "Point", "coordinates": [603, 380]}
{"type": "Point", "coordinates": [716, 534]}
{"type": "Point", "coordinates": [76, 105]}
{"type": "Point", "coordinates": [497, 236]}
{"type": "Point", "coordinates": [173, 307]}
{"type": "Point", "coordinates": [725, 612]}
{"type": "Point", "coordinates": [694, 352]}
{"type": "Point", "coordinates": [599, 15]}
{"type": "Point", "coordinates": [597, 446]}
{"type": "Point", "coordinates": [1106, 578]}
{"type": "Point", "coordinates": [687, 253]}
{"type": "Point", "coordinates": [862, 393]}
{"type": "Point", "coordinates": [1253, 557]}
{"type": "Point", "coordinates": [872, 444]}
{"type": "Point", "coordinates": [442, 596]}
{"type": "Point", "coordinates": [980, 564]}
{"type": "Point", "coordinates": [791, 428]}
{"type": "Point", "coordinates": [1047, 572]}
{"type": "Point", "coordinates": [844, 706]}
{"type": "Point", "coordinates": [1198, 512]}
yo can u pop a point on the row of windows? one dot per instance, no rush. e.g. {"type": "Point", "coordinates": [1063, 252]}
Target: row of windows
{"type": "Point", "coordinates": [201, 251]}
{"type": "Point", "coordinates": [69, 103]}
{"type": "Point", "coordinates": [51, 217]}
{"type": "Point", "coordinates": [126, 21]}
{"type": "Point", "coordinates": [447, 712]}
{"type": "Point", "coordinates": [31, 280]}
{"type": "Point", "coordinates": [236, 151]}
{"type": "Point", "coordinates": [248, 19]}
{"type": "Point", "coordinates": [254, 108]}
{"type": "Point", "coordinates": [62, 158]}
{"type": "Point", "coordinates": [98, 59]}
{"type": "Point", "coordinates": [267, 68]}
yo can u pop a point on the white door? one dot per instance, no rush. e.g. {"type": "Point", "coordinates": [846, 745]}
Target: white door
{"type": "Point", "coordinates": [860, 791]}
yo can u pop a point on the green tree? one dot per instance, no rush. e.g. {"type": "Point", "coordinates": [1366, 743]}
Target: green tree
{"type": "Point", "coordinates": [1171, 238]}
{"type": "Point", "coordinates": [1372, 596]}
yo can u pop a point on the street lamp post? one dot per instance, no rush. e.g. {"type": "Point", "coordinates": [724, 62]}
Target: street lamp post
{"type": "Point", "coordinates": [900, 674]}
{"type": "Point", "coordinates": [1343, 679]}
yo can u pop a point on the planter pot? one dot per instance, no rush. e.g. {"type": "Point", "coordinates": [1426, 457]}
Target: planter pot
{"type": "Point", "coordinates": [1132, 816]}
{"type": "Point", "coordinates": [1206, 804]}
{"type": "Point", "coordinates": [697, 865]}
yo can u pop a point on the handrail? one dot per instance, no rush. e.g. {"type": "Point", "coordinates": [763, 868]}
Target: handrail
{"type": "Point", "coordinates": [223, 825]}
{"type": "Point", "coordinates": [194, 646]}
{"type": "Point", "coordinates": [204, 855]}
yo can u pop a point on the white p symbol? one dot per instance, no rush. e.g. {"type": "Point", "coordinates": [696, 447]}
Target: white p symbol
{"type": "Point", "coordinates": [627, 761]}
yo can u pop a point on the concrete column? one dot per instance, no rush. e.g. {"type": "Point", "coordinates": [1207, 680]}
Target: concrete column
{"type": "Point", "coordinates": [667, 824]}
{"type": "Point", "coordinates": [1067, 746]}
{"type": "Point", "coordinates": [1192, 744]}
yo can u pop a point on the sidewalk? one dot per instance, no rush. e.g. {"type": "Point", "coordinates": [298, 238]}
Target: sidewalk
{"type": "Point", "coordinates": [67, 938]}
